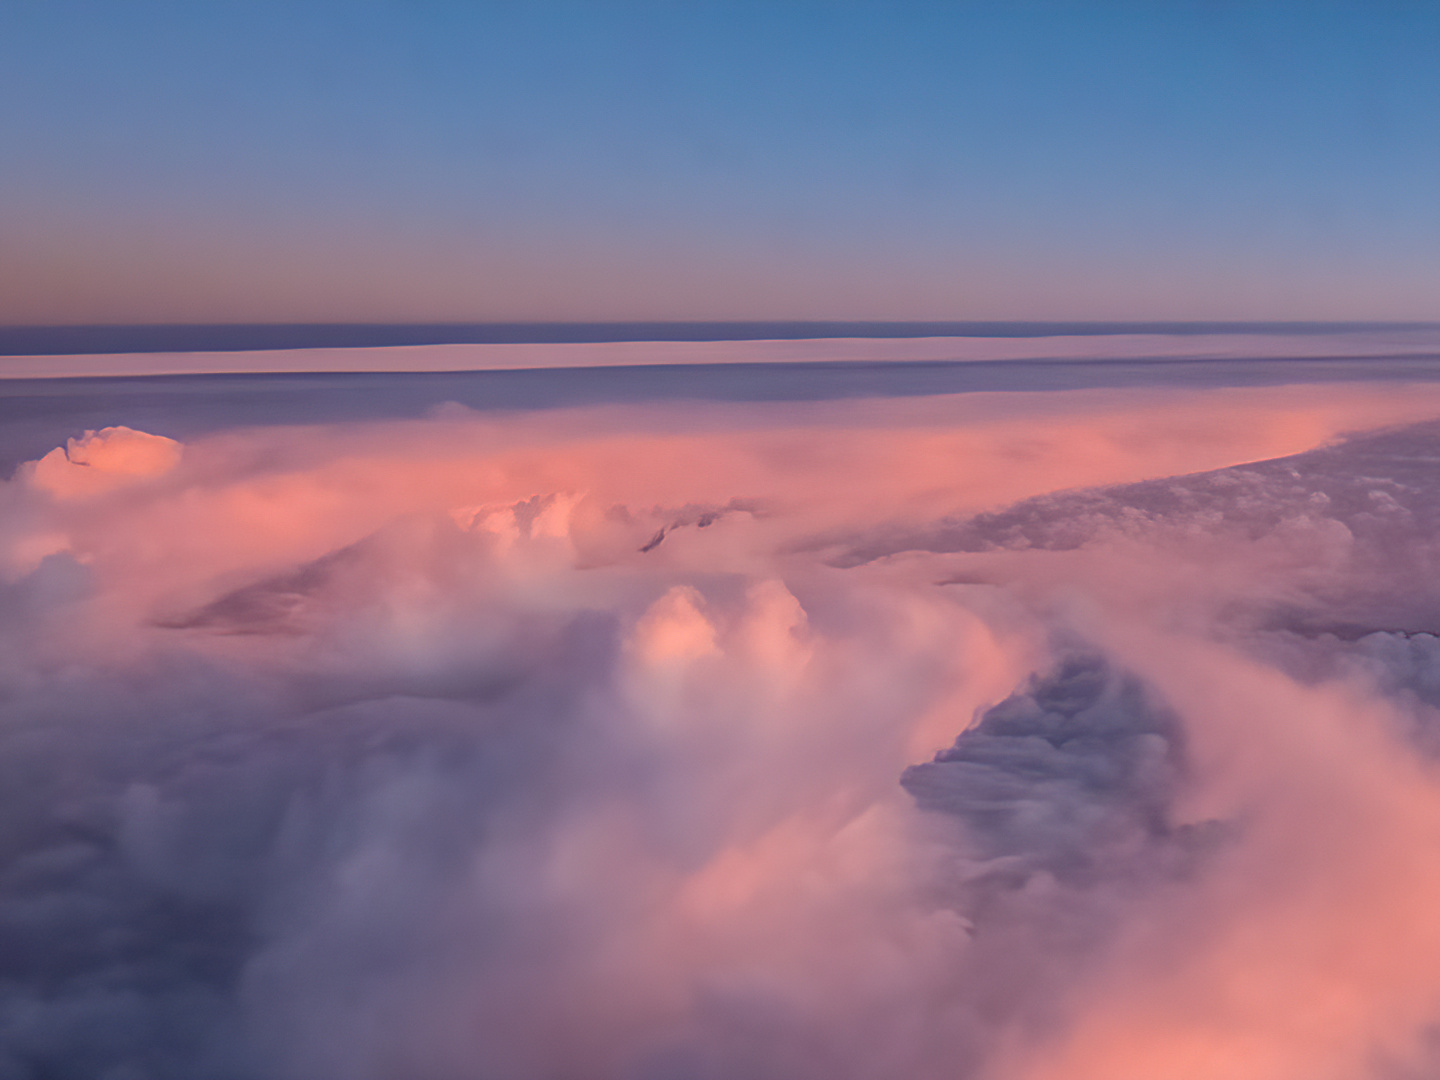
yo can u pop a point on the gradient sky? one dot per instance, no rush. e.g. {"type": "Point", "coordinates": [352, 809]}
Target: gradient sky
{"type": "Point", "coordinates": [467, 161]}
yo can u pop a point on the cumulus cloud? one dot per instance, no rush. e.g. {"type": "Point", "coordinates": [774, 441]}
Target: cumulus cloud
{"type": "Point", "coordinates": [834, 741]}
{"type": "Point", "coordinates": [102, 461]}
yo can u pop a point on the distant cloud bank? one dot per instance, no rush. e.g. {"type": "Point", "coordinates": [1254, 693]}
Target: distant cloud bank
{"type": "Point", "coordinates": [1358, 343]}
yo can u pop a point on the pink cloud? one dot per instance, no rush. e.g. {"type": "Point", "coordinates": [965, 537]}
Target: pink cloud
{"type": "Point", "coordinates": [572, 745]}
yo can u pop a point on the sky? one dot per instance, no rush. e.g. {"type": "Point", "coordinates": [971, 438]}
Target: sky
{"type": "Point", "coordinates": [388, 162]}
{"type": "Point", "coordinates": [1058, 699]}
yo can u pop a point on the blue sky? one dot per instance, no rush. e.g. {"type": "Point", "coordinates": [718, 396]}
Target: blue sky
{"type": "Point", "coordinates": [431, 161]}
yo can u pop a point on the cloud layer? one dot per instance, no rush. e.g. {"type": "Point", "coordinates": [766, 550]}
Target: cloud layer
{"type": "Point", "coordinates": [995, 737]}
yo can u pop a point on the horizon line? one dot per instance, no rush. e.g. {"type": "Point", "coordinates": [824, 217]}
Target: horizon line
{"type": "Point", "coordinates": [116, 338]}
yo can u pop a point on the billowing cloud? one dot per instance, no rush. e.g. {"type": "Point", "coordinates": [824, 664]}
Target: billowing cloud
{"type": "Point", "coordinates": [101, 461]}
{"type": "Point", "coordinates": [1084, 735]}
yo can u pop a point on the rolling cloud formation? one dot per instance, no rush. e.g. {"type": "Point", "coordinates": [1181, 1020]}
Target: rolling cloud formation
{"type": "Point", "coordinates": [1089, 735]}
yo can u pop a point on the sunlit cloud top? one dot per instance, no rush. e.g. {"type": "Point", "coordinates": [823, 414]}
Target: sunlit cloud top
{"type": "Point", "coordinates": [318, 161]}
